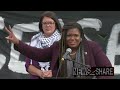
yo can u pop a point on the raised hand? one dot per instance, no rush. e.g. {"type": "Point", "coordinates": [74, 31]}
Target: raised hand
{"type": "Point", "coordinates": [12, 38]}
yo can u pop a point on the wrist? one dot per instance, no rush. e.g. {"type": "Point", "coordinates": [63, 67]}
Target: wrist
{"type": "Point", "coordinates": [39, 72]}
{"type": "Point", "coordinates": [17, 41]}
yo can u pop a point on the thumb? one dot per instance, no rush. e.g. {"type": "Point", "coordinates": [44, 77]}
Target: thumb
{"type": "Point", "coordinates": [7, 38]}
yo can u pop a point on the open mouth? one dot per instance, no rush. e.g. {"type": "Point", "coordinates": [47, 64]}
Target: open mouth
{"type": "Point", "coordinates": [71, 44]}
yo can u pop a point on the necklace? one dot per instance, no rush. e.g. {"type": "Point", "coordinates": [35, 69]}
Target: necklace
{"type": "Point", "coordinates": [73, 53]}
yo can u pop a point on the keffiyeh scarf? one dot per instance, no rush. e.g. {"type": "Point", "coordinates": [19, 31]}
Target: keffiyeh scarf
{"type": "Point", "coordinates": [40, 41]}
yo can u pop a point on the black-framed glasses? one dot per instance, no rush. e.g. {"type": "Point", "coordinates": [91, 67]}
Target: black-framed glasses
{"type": "Point", "coordinates": [48, 23]}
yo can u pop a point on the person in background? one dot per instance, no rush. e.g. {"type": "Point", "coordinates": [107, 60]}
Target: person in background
{"type": "Point", "coordinates": [84, 52]}
{"type": "Point", "coordinates": [50, 29]}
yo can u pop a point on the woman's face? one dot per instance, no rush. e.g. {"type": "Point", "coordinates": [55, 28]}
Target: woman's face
{"type": "Point", "coordinates": [73, 38]}
{"type": "Point", "coordinates": [48, 26]}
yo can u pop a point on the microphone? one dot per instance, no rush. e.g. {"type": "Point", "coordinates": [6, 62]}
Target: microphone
{"type": "Point", "coordinates": [68, 51]}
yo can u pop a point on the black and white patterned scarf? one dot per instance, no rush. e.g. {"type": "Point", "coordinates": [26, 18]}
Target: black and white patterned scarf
{"type": "Point", "coordinates": [40, 41]}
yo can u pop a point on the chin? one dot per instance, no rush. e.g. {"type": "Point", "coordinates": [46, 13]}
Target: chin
{"type": "Point", "coordinates": [72, 46]}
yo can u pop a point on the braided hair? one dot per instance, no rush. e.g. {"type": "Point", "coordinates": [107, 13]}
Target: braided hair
{"type": "Point", "coordinates": [63, 45]}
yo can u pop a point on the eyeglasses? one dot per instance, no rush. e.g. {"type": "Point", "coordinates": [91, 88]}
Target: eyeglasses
{"type": "Point", "coordinates": [74, 35]}
{"type": "Point", "coordinates": [48, 23]}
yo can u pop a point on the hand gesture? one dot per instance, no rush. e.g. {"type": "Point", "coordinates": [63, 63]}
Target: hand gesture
{"type": "Point", "coordinates": [11, 36]}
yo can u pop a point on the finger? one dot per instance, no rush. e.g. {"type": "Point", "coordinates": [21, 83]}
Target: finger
{"type": "Point", "coordinates": [7, 38]}
{"type": "Point", "coordinates": [49, 75]}
{"type": "Point", "coordinates": [46, 73]}
{"type": "Point", "coordinates": [7, 41]}
{"type": "Point", "coordinates": [10, 28]}
{"type": "Point", "coordinates": [7, 30]}
{"type": "Point", "coordinates": [42, 76]}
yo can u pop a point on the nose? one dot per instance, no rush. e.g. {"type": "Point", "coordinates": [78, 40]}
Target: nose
{"type": "Point", "coordinates": [48, 24]}
{"type": "Point", "coordinates": [72, 37]}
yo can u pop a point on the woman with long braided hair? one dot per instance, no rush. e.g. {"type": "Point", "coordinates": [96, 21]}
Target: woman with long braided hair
{"type": "Point", "coordinates": [82, 53]}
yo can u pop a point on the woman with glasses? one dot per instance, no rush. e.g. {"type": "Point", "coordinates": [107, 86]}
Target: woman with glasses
{"type": "Point", "coordinates": [83, 54]}
{"type": "Point", "coordinates": [50, 30]}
